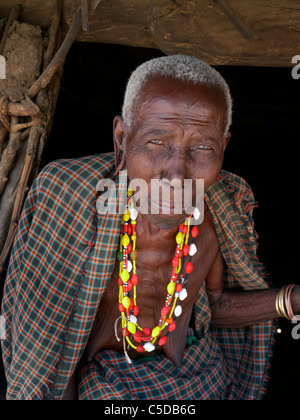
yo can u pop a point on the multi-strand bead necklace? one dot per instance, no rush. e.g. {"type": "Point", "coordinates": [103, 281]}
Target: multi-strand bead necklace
{"type": "Point", "coordinates": [148, 339]}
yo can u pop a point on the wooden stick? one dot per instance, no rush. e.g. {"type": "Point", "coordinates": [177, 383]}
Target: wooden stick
{"type": "Point", "coordinates": [3, 136]}
{"type": "Point", "coordinates": [244, 30]}
{"type": "Point", "coordinates": [14, 14]}
{"type": "Point", "coordinates": [3, 23]}
{"type": "Point", "coordinates": [25, 134]}
{"type": "Point", "coordinates": [61, 54]}
{"type": "Point", "coordinates": [18, 127]}
{"type": "Point", "coordinates": [4, 112]}
{"type": "Point", "coordinates": [27, 108]}
{"type": "Point", "coordinates": [59, 58]}
{"type": "Point", "coordinates": [32, 146]}
{"type": "Point", "coordinates": [8, 157]}
{"type": "Point", "coordinates": [53, 30]}
{"type": "Point", "coordinates": [85, 15]}
{"type": "Point", "coordinates": [19, 110]}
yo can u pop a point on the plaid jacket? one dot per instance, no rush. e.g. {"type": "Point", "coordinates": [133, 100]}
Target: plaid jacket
{"type": "Point", "coordinates": [63, 256]}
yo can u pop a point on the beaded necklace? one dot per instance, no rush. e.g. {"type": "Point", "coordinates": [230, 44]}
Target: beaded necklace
{"type": "Point", "coordinates": [147, 339]}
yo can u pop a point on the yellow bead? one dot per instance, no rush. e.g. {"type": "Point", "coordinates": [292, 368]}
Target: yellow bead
{"type": "Point", "coordinates": [134, 255]}
{"type": "Point", "coordinates": [131, 328]}
{"type": "Point", "coordinates": [125, 276]}
{"type": "Point", "coordinates": [125, 240]}
{"type": "Point", "coordinates": [126, 216]}
{"type": "Point", "coordinates": [126, 302]}
{"type": "Point", "coordinates": [130, 191]}
{"type": "Point", "coordinates": [171, 288]}
{"type": "Point", "coordinates": [133, 222]}
{"type": "Point", "coordinates": [155, 332]}
{"type": "Point", "coordinates": [179, 238]}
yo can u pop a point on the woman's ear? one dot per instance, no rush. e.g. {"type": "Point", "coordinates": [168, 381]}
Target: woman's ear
{"type": "Point", "coordinates": [226, 140]}
{"type": "Point", "coordinates": [119, 131]}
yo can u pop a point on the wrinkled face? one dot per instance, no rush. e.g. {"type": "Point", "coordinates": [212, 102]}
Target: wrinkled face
{"type": "Point", "coordinates": [177, 134]}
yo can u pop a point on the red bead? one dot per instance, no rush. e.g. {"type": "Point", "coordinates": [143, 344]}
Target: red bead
{"type": "Point", "coordinates": [189, 267]}
{"type": "Point", "coordinates": [138, 336]}
{"type": "Point", "coordinates": [172, 326]}
{"type": "Point", "coordinates": [129, 247]}
{"type": "Point", "coordinates": [129, 286]}
{"type": "Point", "coordinates": [195, 232]}
{"type": "Point", "coordinates": [125, 332]}
{"type": "Point", "coordinates": [178, 288]}
{"type": "Point", "coordinates": [140, 348]}
{"type": "Point", "coordinates": [120, 281]}
{"type": "Point", "coordinates": [134, 279]}
{"type": "Point", "coordinates": [184, 229]}
{"type": "Point", "coordinates": [150, 338]}
{"type": "Point", "coordinates": [147, 331]}
{"type": "Point", "coordinates": [175, 262]}
{"type": "Point", "coordinates": [131, 304]}
{"type": "Point", "coordinates": [174, 277]}
{"type": "Point", "coordinates": [121, 307]}
{"type": "Point", "coordinates": [186, 249]}
{"type": "Point", "coordinates": [162, 341]}
{"type": "Point", "coordinates": [129, 229]}
{"type": "Point", "coordinates": [165, 311]}
{"type": "Point", "coordinates": [179, 253]}
{"type": "Point", "coordinates": [136, 310]}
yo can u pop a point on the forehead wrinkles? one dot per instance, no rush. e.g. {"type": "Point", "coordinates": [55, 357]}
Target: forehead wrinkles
{"type": "Point", "coordinates": [185, 117]}
{"type": "Point", "coordinates": [196, 103]}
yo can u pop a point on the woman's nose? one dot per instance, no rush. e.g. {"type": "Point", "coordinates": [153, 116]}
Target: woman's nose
{"type": "Point", "coordinates": [176, 169]}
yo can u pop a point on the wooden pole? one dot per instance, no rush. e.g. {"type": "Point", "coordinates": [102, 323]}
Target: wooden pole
{"type": "Point", "coordinates": [38, 108]}
{"type": "Point", "coordinates": [9, 156]}
{"type": "Point", "coordinates": [14, 14]}
{"type": "Point", "coordinates": [61, 54]}
{"type": "Point", "coordinates": [244, 30]}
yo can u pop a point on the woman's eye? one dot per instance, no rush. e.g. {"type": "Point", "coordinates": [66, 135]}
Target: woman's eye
{"type": "Point", "coordinates": [155, 141]}
{"type": "Point", "coordinates": [204, 147]}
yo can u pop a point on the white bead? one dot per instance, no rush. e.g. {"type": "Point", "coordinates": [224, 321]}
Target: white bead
{"type": "Point", "coordinates": [183, 294]}
{"type": "Point", "coordinates": [133, 213]}
{"type": "Point", "coordinates": [178, 311]}
{"type": "Point", "coordinates": [133, 319]}
{"type": "Point", "coordinates": [149, 347]}
{"type": "Point", "coordinates": [196, 213]}
{"type": "Point", "coordinates": [193, 250]}
{"type": "Point", "coordinates": [129, 266]}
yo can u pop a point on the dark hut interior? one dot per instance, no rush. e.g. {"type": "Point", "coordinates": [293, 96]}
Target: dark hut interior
{"type": "Point", "coordinates": [252, 45]}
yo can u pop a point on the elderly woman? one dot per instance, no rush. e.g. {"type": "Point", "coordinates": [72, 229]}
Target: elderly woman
{"type": "Point", "coordinates": [144, 305]}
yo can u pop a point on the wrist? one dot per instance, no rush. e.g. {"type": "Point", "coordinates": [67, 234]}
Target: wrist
{"type": "Point", "coordinates": [295, 299]}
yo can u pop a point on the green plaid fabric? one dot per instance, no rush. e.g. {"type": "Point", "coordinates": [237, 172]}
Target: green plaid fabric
{"type": "Point", "coordinates": [63, 256]}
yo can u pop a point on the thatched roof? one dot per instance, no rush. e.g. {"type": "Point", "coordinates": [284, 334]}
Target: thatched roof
{"type": "Point", "coordinates": [236, 32]}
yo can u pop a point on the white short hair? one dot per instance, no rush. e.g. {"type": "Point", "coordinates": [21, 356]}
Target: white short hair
{"type": "Point", "coordinates": [179, 67]}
